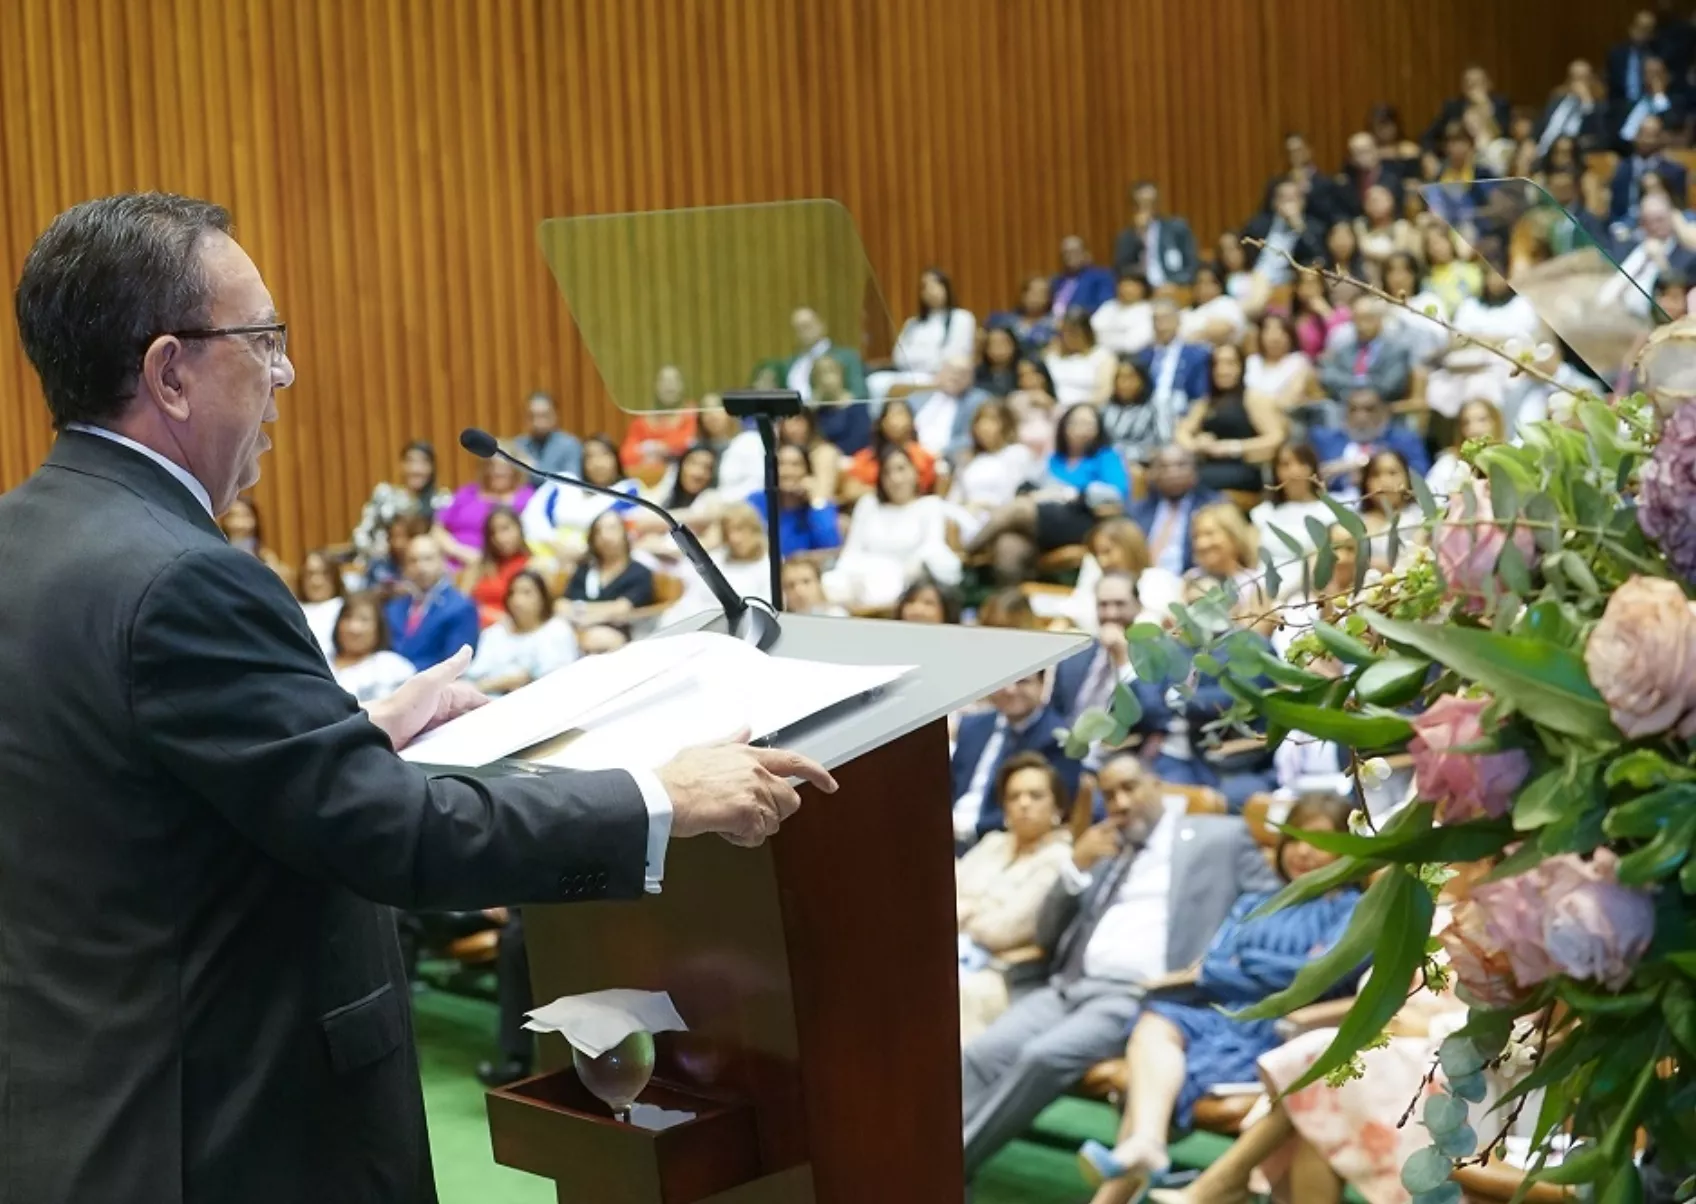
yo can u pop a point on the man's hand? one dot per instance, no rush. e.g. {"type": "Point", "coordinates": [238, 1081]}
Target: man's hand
{"type": "Point", "coordinates": [1099, 842]}
{"type": "Point", "coordinates": [429, 699]}
{"type": "Point", "coordinates": [736, 790]}
{"type": "Point", "coordinates": [1113, 642]}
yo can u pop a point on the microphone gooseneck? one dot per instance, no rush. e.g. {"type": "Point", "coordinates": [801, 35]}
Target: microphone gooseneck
{"type": "Point", "coordinates": [747, 619]}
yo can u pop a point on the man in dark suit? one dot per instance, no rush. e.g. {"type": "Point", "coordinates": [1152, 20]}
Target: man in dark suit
{"type": "Point", "coordinates": [1087, 679]}
{"type": "Point", "coordinates": [1324, 200]}
{"type": "Point", "coordinates": [1475, 91]}
{"type": "Point", "coordinates": [1141, 900]}
{"type": "Point", "coordinates": [1364, 170]}
{"type": "Point", "coordinates": [1178, 372]}
{"type": "Point", "coordinates": [1081, 283]}
{"type": "Point", "coordinates": [431, 620]}
{"type": "Point", "coordinates": [1586, 228]}
{"type": "Point", "coordinates": [1288, 229]}
{"type": "Point", "coordinates": [1626, 191]}
{"type": "Point", "coordinates": [1019, 723]}
{"type": "Point", "coordinates": [1365, 357]}
{"type": "Point", "coordinates": [1174, 495]}
{"type": "Point", "coordinates": [202, 837]}
{"type": "Point", "coordinates": [1658, 100]}
{"type": "Point", "coordinates": [1156, 246]}
{"type": "Point", "coordinates": [849, 426]}
{"type": "Point", "coordinates": [1626, 59]}
{"type": "Point", "coordinates": [1577, 110]}
{"type": "Point", "coordinates": [1367, 430]}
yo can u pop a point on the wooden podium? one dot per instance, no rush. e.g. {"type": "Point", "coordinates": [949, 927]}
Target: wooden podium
{"type": "Point", "coordinates": [817, 974]}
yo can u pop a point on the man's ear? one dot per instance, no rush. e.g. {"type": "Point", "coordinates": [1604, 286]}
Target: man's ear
{"type": "Point", "coordinates": [162, 380]}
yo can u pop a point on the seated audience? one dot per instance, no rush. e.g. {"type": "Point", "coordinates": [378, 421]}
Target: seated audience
{"type": "Point", "coordinates": [1081, 369]}
{"type": "Point", "coordinates": [504, 556]}
{"type": "Point", "coordinates": [1658, 100]}
{"type": "Point", "coordinates": [1087, 679]}
{"type": "Point", "coordinates": [849, 427]}
{"type": "Point", "coordinates": [1232, 432]}
{"type": "Point", "coordinates": [656, 438]}
{"type": "Point", "coordinates": [1364, 170]}
{"type": "Point", "coordinates": [1313, 315]}
{"type": "Point", "coordinates": [1214, 315]}
{"type": "Point", "coordinates": [1448, 277]}
{"type": "Point", "coordinates": [989, 473]}
{"type": "Point", "coordinates": [1577, 110]}
{"type": "Point", "coordinates": [1288, 230]}
{"type": "Point", "coordinates": [1647, 157]}
{"type": "Point", "coordinates": [544, 444]}
{"type": "Point", "coordinates": [430, 620]}
{"type": "Point", "coordinates": [1080, 284]}
{"type": "Point", "coordinates": [1115, 546]}
{"type": "Point", "coordinates": [894, 429]}
{"type": "Point", "coordinates": [558, 516]}
{"type": "Point", "coordinates": [1224, 551]}
{"type": "Point", "coordinates": [241, 526]}
{"type": "Point", "coordinates": [1386, 502]}
{"type": "Point", "coordinates": [1158, 247]}
{"type": "Point", "coordinates": [321, 592]}
{"type": "Point", "coordinates": [1185, 1041]}
{"type": "Point", "coordinates": [1035, 409]}
{"type": "Point", "coordinates": [1477, 420]}
{"type": "Point", "coordinates": [360, 657]}
{"type": "Point", "coordinates": [1240, 281]}
{"type": "Point", "coordinates": [824, 458]}
{"type": "Point", "coordinates": [1278, 370]}
{"type": "Point", "coordinates": [741, 557]}
{"type": "Point", "coordinates": [997, 372]}
{"type": "Point", "coordinates": [529, 640]}
{"type": "Point", "coordinates": [1033, 321]}
{"type": "Point", "coordinates": [1325, 198]}
{"type": "Point", "coordinates": [1367, 428]}
{"type": "Point", "coordinates": [1135, 426]}
{"type": "Point", "coordinates": [1000, 883]}
{"type": "Point", "coordinates": [1175, 494]}
{"type": "Point", "coordinates": [460, 524]}
{"type": "Point", "coordinates": [1147, 890]}
{"type": "Point", "coordinates": [1293, 500]}
{"type": "Point", "coordinates": [1085, 483]}
{"type": "Point", "coordinates": [1653, 248]}
{"type": "Point", "coordinates": [1364, 357]}
{"type": "Point", "coordinates": [1468, 371]}
{"type": "Point", "coordinates": [608, 582]}
{"type": "Point", "coordinates": [1125, 324]}
{"type": "Point", "coordinates": [942, 417]}
{"type": "Point", "coordinates": [806, 517]}
{"type": "Point", "coordinates": [1176, 369]}
{"type": "Point", "coordinates": [1382, 231]}
{"type": "Point", "coordinates": [1395, 149]}
{"type": "Point", "coordinates": [803, 589]}
{"type": "Point", "coordinates": [892, 536]}
{"type": "Point", "coordinates": [1008, 608]}
{"type": "Point", "coordinates": [1342, 251]}
{"type": "Point", "coordinates": [1455, 198]}
{"type": "Point", "coordinates": [690, 494]}
{"type": "Point", "coordinates": [385, 575]}
{"type": "Point", "coordinates": [1424, 338]}
{"type": "Point", "coordinates": [415, 493]}
{"type": "Point", "coordinates": [741, 457]}
{"type": "Point", "coordinates": [1017, 722]}
{"type": "Point", "coordinates": [927, 601]}
{"type": "Point", "coordinates": [940, 331]}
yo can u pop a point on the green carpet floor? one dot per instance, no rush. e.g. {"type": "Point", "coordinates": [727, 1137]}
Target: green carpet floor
{"type": "Point", "coordinates": [455, 1033]}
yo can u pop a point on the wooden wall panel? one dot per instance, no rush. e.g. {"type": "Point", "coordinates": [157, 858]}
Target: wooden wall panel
{"type": "Point", "coordinates": [388, 161]}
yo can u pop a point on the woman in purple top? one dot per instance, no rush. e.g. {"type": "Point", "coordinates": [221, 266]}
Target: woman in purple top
{"type": "Point", "coordinates": [459, 524]}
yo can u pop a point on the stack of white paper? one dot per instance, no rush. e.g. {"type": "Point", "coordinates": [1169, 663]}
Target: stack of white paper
{"type": "Point", "coordinates": [637, 707]}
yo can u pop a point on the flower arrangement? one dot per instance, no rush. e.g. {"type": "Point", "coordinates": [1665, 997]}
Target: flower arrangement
{"type": "Point", "coordinates": [1537, 660]}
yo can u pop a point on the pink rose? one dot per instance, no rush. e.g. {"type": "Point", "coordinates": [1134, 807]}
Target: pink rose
{"type": "Point", "coordinates": [1566, 916]}
{"type": "Point", "coordinates": [1482, 970]}
{"type": "Point", "coordinates": [1642, 658]}
{"type": "Point", "coordinates": [1467, 551]}
{"type": "Point", "coordinates": [1464, 785]}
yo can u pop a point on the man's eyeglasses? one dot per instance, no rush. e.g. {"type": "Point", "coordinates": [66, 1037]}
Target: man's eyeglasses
{"type": "Point", "coordinates": [272, 338]}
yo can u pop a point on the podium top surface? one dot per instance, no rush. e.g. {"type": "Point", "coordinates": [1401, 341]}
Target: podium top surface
{"type": "Point", "coordinates": [954, 666]}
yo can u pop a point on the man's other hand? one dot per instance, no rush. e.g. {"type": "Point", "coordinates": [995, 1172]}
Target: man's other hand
{"type": "Point", "coordinates": [427, 700]}
{"type": "Point", "coordinates": [736, 790]}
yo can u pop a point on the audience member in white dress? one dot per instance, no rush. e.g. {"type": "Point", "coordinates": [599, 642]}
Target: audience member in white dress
{"type": "Point", "coordinates": [1425, 339]}
{"type": "Point", "coordinates": [803, 589]}
{"type": "Point", "coordinates": [1117, 545]}
{"type": "Point", "coordinates": [1125, 325]}
{"type": "Point", "coordinates": [689, 494]}
{"type": "Point", "coordinates": [1278, 369]}
{"type": "Point", "coordinates": [362, 662]}
{"type": "Point", "coordinates": [321, 592]}
{"type": "Point", "coordinates": [1450, 474]}
{"type": "Point", "coordinates": [1386, 501]}
{"type": "Point", "coordinates": [1214, 317]}
{"type": "Point", "coordinates": [1082, 369]}
{"type": "Point", "coordinates": [529, 642]}
{"type": "Point", "coordinates": [939, 331]}
{"type": "Point", "coordinates": [893, 536]}
{"type": "Point", "coordinates": [557, 518]}
{"type": "Point", "coordinates": [1469, 371]}
{"type": "Point", "coordinates": [988, 476]}
{"type": "Point", "coordinates": [1294, 501]}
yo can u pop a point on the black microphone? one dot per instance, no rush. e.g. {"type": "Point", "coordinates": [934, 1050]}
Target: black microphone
{"type": "Point", "coordinates": [747, 619]}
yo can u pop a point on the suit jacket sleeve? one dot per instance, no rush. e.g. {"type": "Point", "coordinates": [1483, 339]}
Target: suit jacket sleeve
{"type": "Point", "coordinates": [1254, 871]}
{"type": "Point", "coordinates": [1059, 909]}
{"type": "Point", "coordinates": [231, 697]}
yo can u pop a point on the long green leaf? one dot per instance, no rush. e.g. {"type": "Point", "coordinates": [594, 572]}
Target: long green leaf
{"type": "Point", "coordinates": [1344, 646]}
{"type": "Point", "coordinates": [1422, 495]}
{"type": "Point", "coordinates": [1456, 843]}
{"type": "Point", "coordinates": [1392, 681]}
{"type": "Point", "coordinates": [1545, 682]}
{"type": "Point", "coordinates": [1347, 517]}
{"type": "Point", "coordinates": [1398, 952]}
{"type": "Point", "coordinates": [1355, 729]}
{"type": "Point", "coordinates": [1319, 882]}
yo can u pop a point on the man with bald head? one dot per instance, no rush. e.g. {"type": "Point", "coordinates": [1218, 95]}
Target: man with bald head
{"type": "Point", "coordinates": [203, 838]}
{"type": "Point", "coordinates": [942, 416]}
{"type": "Point", "coordinates": [848, 426]}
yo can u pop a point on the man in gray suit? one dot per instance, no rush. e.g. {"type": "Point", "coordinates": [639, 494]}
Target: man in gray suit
{"type": "Point", "coordinates": [1147, 889]}
{"type": "Point", "coordinates": [1365, 357]}
{"type": "Point", "coordinates": [942, 416]}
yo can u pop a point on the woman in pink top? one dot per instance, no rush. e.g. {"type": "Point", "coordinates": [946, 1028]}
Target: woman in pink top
{"type": "Point", "coordinates": [459, 524]}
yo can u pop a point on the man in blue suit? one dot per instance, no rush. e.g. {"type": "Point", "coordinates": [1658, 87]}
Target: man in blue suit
{"type": "Point", "coordinates": [1626, 190]}
{"type": "Point", "coordinates": [1366, 430]}
{"type": "Point", "coordinates": [1019, 723]}
{"type": "Point", "coordinates": [432, 620]}
{"type": "Point", "coordinates": [1086, 679]}
{"type": "Point", "coordinates": [1177, 372]}
{"type": "Point", "coordinates": [1174, 495]}
{"type": "Point", "coordinates": [1080, 284]}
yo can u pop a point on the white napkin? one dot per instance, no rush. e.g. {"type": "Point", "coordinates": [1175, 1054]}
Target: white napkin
{"type": "Point", "coordinates": [596, 1022]}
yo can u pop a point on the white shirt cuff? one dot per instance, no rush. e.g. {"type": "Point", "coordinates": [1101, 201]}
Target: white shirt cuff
{"type": "Point", "coordinates": [1075, 881]}
{"type": "Point", "coordinates": [658, 803]}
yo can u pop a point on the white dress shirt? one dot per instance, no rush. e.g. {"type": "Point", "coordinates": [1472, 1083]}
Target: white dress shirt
{"type": "Point", "coordinates": [801, 371]}
{"type": "Point", "coordinates": [1129, 944]}
{"type": "Point", "coordinates": [384, 672]}
{"type": "Point", "coordinates": [933, 421]}
{"type": "Point", "coordinates": [1124, 329]}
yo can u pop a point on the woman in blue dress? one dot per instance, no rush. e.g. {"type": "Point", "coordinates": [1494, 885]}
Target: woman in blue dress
{"type": "Point", "coordinates": [1183, 1044]}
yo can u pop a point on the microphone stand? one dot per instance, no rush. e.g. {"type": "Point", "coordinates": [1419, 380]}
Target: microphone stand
{"type": "Point", "coordinates": [766, 407]}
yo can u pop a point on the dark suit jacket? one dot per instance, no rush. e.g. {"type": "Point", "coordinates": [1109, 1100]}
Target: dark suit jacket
{"type": "Point", "coordinates": [1175, 248]}
{"type": "Point", "coordinates": [1671, 171]}
{"type": "Point", "coordinates": [201, 840]}
{"type": "Point", "coordinates": [1143, 513]}
{"type": "Point", "coordinates": [1310, 243]}
{"type": "Point", "coordinates": [1214, 862]}
{"type": "Point", "coordinates": [1329, 443]}
{"type": "Point", "coordinates": [1070, 676]}
{"type": "Point", "coordinates": [1095, 287]}
{"type": "Point", "coordinates": [1593, 127]}
{"type": "Point", "coordinates": [1454, 109]}
{"type": "Point", "coordinates": [1619, 57]}
{"type": "Point", "coordinates": [1388, 373]}
{"type": "Point", "coordinates": [449, 624]}
{"type": "Point", "coordinates": [1195, 368]}
{"type": "Point", "coordinates": [973, 738]}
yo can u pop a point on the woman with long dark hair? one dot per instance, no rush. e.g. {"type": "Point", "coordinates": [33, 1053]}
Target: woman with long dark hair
{"type": "Point", "coordinates": [938, 332]}
{"type": "Point", "coordinates": [415, 491]}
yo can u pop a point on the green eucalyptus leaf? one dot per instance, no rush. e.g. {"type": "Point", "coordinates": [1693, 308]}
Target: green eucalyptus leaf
{"type": "Point", "coordinates": [1274, 580]}
{"type": "Point", "coordinates": [1514, 570]}
{"type": "Point", "coordinates": [1206, 662]}
{"type": "Point", "coordinates": [1426, 1170]}
{"type": "Point", "coordinates": [1392, 681]}
{"type": "Point", "coordinates": [1344, 647]}
{"type": "Point", "coordinates": [1296, 547]}
{"type": "Point", "coordinates": [1540, 509]}
{"type": "Point", "coordinates": [1423, 497]}
{"type": "Point", "coordinates": [1347, 518]}
{"type": "Point", "coordinates": [1447, 1193]}
{"type": "Point", "coordinates": [1647, 814]}
{"type": "Point", "coordinates": [1644, 767]}
{"type": "Point", "coordinates": [1578, 572]}
{"type": "Point", "coordinates": [1444, 1113]}
{"type": "Point", "coordinates": [1324, 565]}
{"type": "Point", "coordinates": [1545, 682]}
{"type": "Point", "coordinates": [1470, 1087]}
{"type": "Point", "coordinates": [1591, 508]}
{"type": "Point", "coordinates": [1457, 1143]}
{"type": "Point", "coordinates": [1548, 620]}
{"type": "Point", "coordinates": [1504, 494]}
{"type": "Point", "coordinates": [1279, 670]}
{"type": "Point", "coordinates": [1366, 729]}
{"type": "Point", "coordinates": [1551, 796]}
{"type": "Point", "coordinates": [1125, 708]}
{"type": "Point", "coordinates": [1460, 1057]}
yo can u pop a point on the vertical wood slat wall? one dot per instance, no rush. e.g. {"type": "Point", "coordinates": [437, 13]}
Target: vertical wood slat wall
{"type": "Point", "coordinates": [388, 161]}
